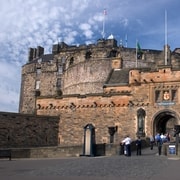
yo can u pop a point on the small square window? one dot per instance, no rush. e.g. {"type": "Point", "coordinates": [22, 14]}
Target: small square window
{"type": "Point", "coordinates": [174, 95]}
{"type": "Point", "coordinates": [60, 69]}
{"type": "Point", "coordinates": [58, 83]}
{"type": "Point", "coordinates": [37, 85]}
{"type": "Point", "coordinates": [158, 96]}
{"type": "Point", "coordinates": [38, 71]}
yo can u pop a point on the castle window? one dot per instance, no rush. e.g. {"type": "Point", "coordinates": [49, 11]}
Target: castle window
{"type": "Point", "coordinates": [157, 96]}
{"type": "Point", "coordinates": [112, 53]}
{"type": "Point", "coordinates": [141, 122]}
{"type": "Point", "coordinates": [39, 60]}
{"type": "Point", "coordinates": [88, 55]}
{"type": "Point", "coordinates": [63, 60]}
{"type": "Point", "coordinates": [71, 61]}
{"type": "Point", "coordinates": [58, 83]}
{"type": "Point", "coordinates": [139, 56]}
{"type": "Point", "coordinates": [38, 71]}
{"type": "Point", "coordinates": [38, 85]}
{"type": "Point", "coordinates": [174, 95]}
{"type": "Point", "coordinates": [60, 69]}
{"type": "Point", "coordinates": [165, 95]}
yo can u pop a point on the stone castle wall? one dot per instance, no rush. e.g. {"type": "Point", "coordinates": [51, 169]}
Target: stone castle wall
{"type": "Point", "coordinates": [109, 112]}
{"type": "Point", "coordinates": [83, 76]}
{"type": "Point", "coordinates": [85, 97]}
{"type": "Point", "coordinates": [106, 115]}
{"type": "Point", "coordinates": [116, 107]}
{"type": "Point", "coordinates": [87, 77]}
{"type": "Point", "coordinates": [29, 91]}
{"type": "Point", "coordinates": [19, 130]}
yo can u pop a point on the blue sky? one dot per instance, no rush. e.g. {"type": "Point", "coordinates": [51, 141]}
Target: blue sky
{"type": "Point", "coordinates": [33, 23]}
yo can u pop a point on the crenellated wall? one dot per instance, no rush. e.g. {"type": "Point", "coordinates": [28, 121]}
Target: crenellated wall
{"type": "Point", "coordinates": [80, 69]}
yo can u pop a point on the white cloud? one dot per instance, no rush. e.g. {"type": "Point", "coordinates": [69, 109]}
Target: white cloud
{"type": "Point", "coordinates": [86, 28]}
{"type": "Point", "coordinates": [32, 23]}
{"type": "Point", "coordinates": [10, 86]}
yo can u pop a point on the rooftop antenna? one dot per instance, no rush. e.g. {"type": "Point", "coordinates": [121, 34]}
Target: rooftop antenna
{"type": "Point", "coordinates": [104, 17]}
{"type": "Point", "coordinates": [165, 60]}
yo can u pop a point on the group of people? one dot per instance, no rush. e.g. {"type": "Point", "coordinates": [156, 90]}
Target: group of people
{"type": "Point", "coordinates": [126, 146]}
{"type": "Point", "coordinates": [158, 140]}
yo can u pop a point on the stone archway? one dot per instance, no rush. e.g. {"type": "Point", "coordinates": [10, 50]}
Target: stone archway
{"type": "Point", "coordinates": [164, 122]}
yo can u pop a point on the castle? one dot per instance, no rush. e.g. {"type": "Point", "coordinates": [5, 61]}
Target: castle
{"type": "Point", "coordinates": [117, 90]}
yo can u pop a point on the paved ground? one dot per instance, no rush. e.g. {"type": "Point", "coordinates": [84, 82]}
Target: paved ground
{"type": "Point", "coordinates": [149, 166]}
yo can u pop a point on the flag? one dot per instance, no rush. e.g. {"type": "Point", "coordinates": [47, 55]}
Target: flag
{"type": "Point", "coordinates": [138, 46]}
{"type": "Point", "coordinates": [139, 51]}
{"type": "Point", "coordinates": [105, 12]}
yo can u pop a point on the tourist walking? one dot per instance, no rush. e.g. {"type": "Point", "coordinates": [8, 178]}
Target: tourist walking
{"type": "Point", "coordinates": [151, 142]}
{"type": "Point", "coordinates": [127, 142]}
{"type": "Point", "coordinates": [138, 146]}
{"type": "Point", "coordinates": [159, 143]}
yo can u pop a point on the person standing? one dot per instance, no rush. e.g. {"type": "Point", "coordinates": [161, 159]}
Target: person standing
{"type": "Point", "coordinates": [121, 148]}
{"type": "Point", "coordinates": [138, 146]}
{"type": "Point", "coordinates": [127, 142]}
{"type": "Point", "coordinates": [168, 137]}
{"type": "Point", "coordinates": [159, 142]}
{"type": "Point", "coordinates": [157, 138]}
{"type": "Point", "coordinates": [151, 142]}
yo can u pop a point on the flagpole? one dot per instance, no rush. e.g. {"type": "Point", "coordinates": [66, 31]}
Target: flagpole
{"type": "Point", "coordinates": [126, 39]}
{"type": "Point", "coordinates": [165, 60]}
{"type": "Point", "coordinates": [103, 31]}
{"type": "Point", "coordinates": [136, 54]}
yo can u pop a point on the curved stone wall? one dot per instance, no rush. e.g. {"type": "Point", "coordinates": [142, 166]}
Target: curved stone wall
{"type": "Point", "coordinates": [86, 77]}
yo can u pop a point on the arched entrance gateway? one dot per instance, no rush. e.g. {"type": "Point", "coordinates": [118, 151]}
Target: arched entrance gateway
{"type": "Point", "coordinates": [164, 122]}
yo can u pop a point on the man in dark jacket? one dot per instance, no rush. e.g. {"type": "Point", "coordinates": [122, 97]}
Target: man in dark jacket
{"type": "Point", "coordinates": [138, 146]}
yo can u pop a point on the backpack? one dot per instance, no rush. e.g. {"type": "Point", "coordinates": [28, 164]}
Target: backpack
{"type": "Point", "coordinates": [158, 138]}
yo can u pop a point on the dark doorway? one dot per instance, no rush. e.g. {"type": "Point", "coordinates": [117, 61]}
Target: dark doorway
{"type": "Point", "coordinates": [164, 122]}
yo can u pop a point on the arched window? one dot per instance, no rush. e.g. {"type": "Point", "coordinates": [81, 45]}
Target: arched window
{"type": "Point", "coordinates": [141, 114]}
{"type": "Point", "coordinates": [112, 53]}
{"type": "Point", "coordinates": [58, 83]}
{"type": "Point", "coordinates": [88, 55]}
{"type": "Point", "coordinates": [38, 85]}
{"type": "Point", "coordinates": [71, 61]}
{"type": "Point", "coordinates": [60, 69]}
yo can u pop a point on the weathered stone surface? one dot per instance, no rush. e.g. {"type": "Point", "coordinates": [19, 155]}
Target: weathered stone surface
{"type": "Point", "coordinates": [104, 85]}
{"type": "Point", "coordinates": [19, 130]}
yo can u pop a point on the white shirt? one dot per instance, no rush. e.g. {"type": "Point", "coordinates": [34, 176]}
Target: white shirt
{"type": "Point", "coordinates": [127, 140]}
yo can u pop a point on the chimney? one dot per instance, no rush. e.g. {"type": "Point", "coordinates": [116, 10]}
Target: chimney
{"type": "Point", "coordinates": [30, 54]}
{"type": "Point", "coordinates": [34, 53]}
{"type": "Point", "coordinates": [40, 51]}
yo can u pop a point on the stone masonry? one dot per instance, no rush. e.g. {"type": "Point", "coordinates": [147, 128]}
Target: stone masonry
{"type": "Point", "coordinates": [105, 85]}
{"type": "Point", "coordinates": [22, 131]}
